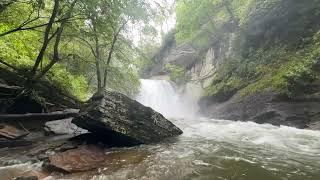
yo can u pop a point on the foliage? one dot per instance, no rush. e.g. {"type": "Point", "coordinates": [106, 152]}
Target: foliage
{"type": "Point", "coordinates": [177, 74]}
{"type": "Point", "coordinates": [279, 69]}
{"type": "Point", "coordinates": [85, 37]}
{"type": "Point", "coordinates": [274, 44]}
{"type": "Point", "coordinates": [224, 89]}
{"type": "Point", "coordinates": [20, 50]}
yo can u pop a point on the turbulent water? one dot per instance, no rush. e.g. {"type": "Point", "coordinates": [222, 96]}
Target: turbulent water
{"type": "Point", "coordinates": [217, 149]}
{"type": "Point", "coordinates": [214, 149]}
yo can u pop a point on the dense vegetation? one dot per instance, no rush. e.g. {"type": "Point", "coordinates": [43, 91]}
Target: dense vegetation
{"type": "Point", "coordinates": [271, 44]}
{"type": "Point", "coordinates": [78, 46]}
{"type": "Point", "coordinates": [86, 46]}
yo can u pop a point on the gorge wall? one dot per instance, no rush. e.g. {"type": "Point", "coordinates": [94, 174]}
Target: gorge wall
{"type": "Point", "coordinates": [258, 61]}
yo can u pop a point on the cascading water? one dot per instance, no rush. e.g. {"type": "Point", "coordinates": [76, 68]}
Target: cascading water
{"type": "Point", "coordinates": [209, 148]}
{"type": "Point", "coordinates": [162, 96]}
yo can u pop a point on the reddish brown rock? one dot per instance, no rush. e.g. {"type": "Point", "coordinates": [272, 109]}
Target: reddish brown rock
{"type": "Point", "coordinates": [11, 132]}
{"type": "Point", "coordinates": [83, 158]}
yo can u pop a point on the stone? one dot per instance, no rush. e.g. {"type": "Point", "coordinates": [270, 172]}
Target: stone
{"type": "Point", "coordinates": [11, 132]}
{"type": "Point", "coordinates": [184, 55]}
{"type": "Point", "coordinates": [5, 143]}
{"type": "Point", "coordinates": [266, 107]}
{"type": "Point", "coordinates": [27, 178]}
{"type": "Point", "coordinates": [115, 160]}
{"type": "Point", "coordinates": [61, 127]}
{"type": "Point", "coordinates": [124, 121]}
{"type": "Point", "coordinates": [84, 158]}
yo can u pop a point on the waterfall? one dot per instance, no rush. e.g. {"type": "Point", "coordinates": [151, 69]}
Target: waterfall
{"type": "Point", "coordinates": [162, 96]}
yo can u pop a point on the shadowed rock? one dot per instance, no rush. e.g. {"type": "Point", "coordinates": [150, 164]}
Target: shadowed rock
{"type": "Point", "coordinates": [124, 121]}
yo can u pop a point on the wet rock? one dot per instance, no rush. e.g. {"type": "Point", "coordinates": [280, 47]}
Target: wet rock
{"type": "Point", "coordinates": [267, 107]}
{"type": "Point", "coordinates": [115, 160]}
{"type": "Point", "coordinates": [125, 121]}
{"type": "Point", "coordinates": [63, 126]}
{"type": "Point", "coordinates": [122, 158]}
{"type": "Point", "coordinates": [27, 178]}
{"type": "Point", "coordinates": [184, 55]}
{"type": "Point", "coordinates": [83, 158]}
{"type": "Point", "coordinates": [22, 172]}
{"type": "Point", "coordinates": [314, 126]}
{"type": "Point", "coordinates": [5, 143]}
{"type": "Point", "coordinates": [11, 132]}
{"type": "Point", "coordinates": [48, 146]}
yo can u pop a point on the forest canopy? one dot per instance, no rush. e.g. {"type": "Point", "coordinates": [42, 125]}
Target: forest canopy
{"type": "Point", "coordinates": [78, 45]}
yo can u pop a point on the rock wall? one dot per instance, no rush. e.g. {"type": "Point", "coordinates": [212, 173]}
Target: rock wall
{"type": "Point", "coordinates": [249, 62]}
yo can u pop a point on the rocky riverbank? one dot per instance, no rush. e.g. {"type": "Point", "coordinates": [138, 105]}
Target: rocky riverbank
{"type": "Point", "coordinates": [267, 107]}
{"type": "Point", "coordinates": [39, 135]}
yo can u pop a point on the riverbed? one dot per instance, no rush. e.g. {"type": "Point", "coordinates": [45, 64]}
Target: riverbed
{"type": "Point", "coordinates": [211, 149]}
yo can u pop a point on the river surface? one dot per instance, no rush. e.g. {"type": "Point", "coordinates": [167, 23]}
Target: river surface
{"type": "Point", "coordinates": [211, 149]}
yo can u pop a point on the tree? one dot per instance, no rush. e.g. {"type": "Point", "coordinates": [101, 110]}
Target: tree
{"type": "Point", "coordinates": [56, 39]}
{"type": "Point", "coordinates": [104, 31]}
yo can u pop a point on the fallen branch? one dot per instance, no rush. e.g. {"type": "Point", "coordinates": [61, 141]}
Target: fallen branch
{"type": "Point", "coordinates": [40, 116]}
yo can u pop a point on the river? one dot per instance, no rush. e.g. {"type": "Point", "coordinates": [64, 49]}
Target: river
{"type": "Point", "coordinates": [209, 149]}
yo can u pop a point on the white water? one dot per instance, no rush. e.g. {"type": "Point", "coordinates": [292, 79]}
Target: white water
{"type": "Point", "coordinates": [213, 149]}
{"type": "Point", "coordinates": [207, 145]}
{"type": "Point", "coordinates": [162, 96]}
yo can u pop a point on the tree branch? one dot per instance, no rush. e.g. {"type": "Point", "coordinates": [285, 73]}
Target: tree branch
{"type": "Point", "coordinates": [59, 31]}
{"type": "Point", "coordinates": [46, 38]}
{"type": "Point", "coordinates": [114, 40]}
{"type": "Point", "coordinates": [39, 116]}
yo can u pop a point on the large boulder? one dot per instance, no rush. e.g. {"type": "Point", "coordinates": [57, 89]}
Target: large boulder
{"type": "Point", "coordinates": [124, 121]}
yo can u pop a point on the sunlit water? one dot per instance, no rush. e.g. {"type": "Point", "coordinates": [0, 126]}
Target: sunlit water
{"type": "Point", "coordinates": [217, 149]}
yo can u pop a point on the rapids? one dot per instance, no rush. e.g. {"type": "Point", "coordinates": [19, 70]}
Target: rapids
{"type": "Point", "coordinates": [209, 149]}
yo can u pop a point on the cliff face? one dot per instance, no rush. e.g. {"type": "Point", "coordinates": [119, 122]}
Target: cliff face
{"type": "Point", "coordinates": [260, 66]}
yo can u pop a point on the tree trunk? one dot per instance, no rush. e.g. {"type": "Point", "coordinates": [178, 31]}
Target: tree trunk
{"type": "Point", "coordinates": [97, 56]}
{"type": "Point", "coordinates": [46, 39]}
{"type": "Point", "coordinates": [59, 31]}
{"type": "Point", "coordinates": [39, 116]}
{"type": "Point", "coordinates": [114, 40]}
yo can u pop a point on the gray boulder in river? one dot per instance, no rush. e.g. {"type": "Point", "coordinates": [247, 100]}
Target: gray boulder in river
{"type": "Point", "coordinates": [124, 121]}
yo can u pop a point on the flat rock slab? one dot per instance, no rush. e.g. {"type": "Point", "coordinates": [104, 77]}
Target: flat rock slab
{"type": "Point", "coordinates": [64, 126]}
{"type": "Point", "coordinates": [124, 121]}
{"type": "Point", "coordinates": [83, 158]}
{"type": "Point", "coordinates": [11, 132]}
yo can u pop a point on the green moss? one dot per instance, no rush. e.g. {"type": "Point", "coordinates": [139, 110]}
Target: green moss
{"type": "Point", "coordinates": [288, 76]}
{"type": "Point", "coordinates": [224, 89]}
{"type": "Point", "coordinates": [286, 71]}
{"type": "Point", "coordinates": [271, 50]}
